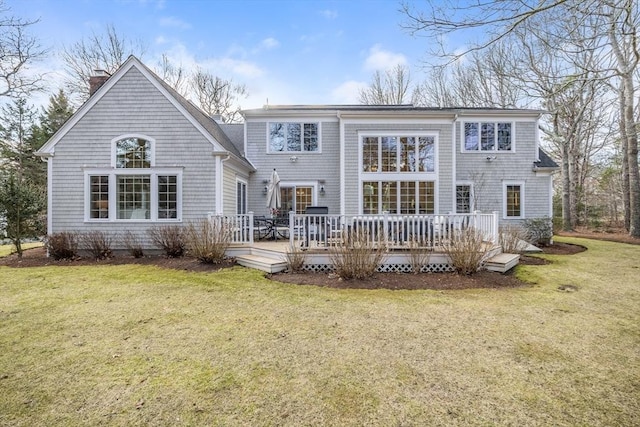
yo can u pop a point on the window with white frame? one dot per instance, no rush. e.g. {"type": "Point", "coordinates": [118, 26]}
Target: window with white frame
{"type": "Point", "coordinates": [241, 197]}
{"type": "Point", "coordinates": [464, 200]}
{"type": "Point", "coordinates": [513, 200]}
{"type": "Point", "coordinates": [488, 136]}
{"type": "Point", "coordinates": [398, 197]}
{"type": "Point", "coordinates": [133, 189]}
{"type": "Point", "coordinates": [397, 153]}
{"type": "Point", "coordinates": [293, 137]}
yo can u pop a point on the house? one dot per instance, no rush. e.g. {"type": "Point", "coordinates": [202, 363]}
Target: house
{"type": "Point", "coordinates": [138, 155]}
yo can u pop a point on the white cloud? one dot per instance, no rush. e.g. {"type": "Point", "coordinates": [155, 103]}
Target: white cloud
{"type": "Point", "coordinates": [329, 14]}
{"type": "Point", "coordinates": [269, 43]}
{"type": "Point", "coordinates": [348, 92]}
{"type": "Point", "coordinates": [173, 22]}
{"type": "Point", "coordinates": [380, 59]}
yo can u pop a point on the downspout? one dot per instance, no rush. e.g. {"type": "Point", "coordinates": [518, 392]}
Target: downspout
{"type": "Point", "coordinates": [342, 186]}
{"type": "Point", "coordinates": [454, 175]}
{"type": "Point", "coordinates": [221, 156]}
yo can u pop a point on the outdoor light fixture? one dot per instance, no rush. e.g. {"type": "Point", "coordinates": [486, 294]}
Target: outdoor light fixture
{"type": "Point", "coordinates": [293, 159]}
{"type": "Point", "coordinates": [265, 190]}
{"type": "Point", "coordinates": [322, 190]}
{"type": "Point", "coordinates": [491, 158]}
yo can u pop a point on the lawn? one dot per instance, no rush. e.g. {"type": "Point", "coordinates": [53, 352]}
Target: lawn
{"type": "Point", "coordinates": [140, 345]}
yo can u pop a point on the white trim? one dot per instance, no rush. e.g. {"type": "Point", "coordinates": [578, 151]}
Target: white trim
{"type": "Point", "coordinates": [112, 173]}
{"type": "Point", "coordinates": [342, 172]}
{"type": "Point", "coordinates": [454, 160]}
{"type": "Point", "coordinates": [49, 161]}
{"type": "Point", "coordinates": [301, 152]}
{"type": "Point", "coordinates": [504, 199]}
{"type": "Point", "coordinates": [152, 143]}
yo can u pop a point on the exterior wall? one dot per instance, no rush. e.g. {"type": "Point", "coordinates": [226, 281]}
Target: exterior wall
{"type": "Point", "coordinates": [309, 168]}
{"type": "Point", "coordinates": [133, 105]}
{"type": "Point", "coordinates": [517, 166]}
{"type": "Point", "coordinates": [231, 177]}
{"type": "Point", "coordinates": [352, 167]}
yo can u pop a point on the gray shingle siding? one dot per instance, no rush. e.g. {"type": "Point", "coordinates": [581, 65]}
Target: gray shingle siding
{"type": "Point", "coordinates": [133, 105]}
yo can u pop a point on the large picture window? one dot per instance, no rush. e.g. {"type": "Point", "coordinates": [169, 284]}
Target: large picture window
{"type": "Point", "coordinates": [488, 136]}
{"type": "Point", "coordinates": [404, 154]}
{"type": "Point", "coordinates": [293, 137]}
{"type": "Point", "coordinates": [398, 197]}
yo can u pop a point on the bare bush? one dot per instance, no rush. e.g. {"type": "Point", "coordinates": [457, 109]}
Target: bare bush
{"type": "Point", "coordinates": [357, 256]}
{"type": "Point", "coordinates": [169, 238]}
{"type": "Point", "coordinates": [511, 238]}
{"type": "Point", "coordinates": [62, 245]}
{"type": "Point", "coordinates": [419, 254]}
{"type": "Point", "coordinates": [97, 243]}
{"type": "Point", "coordinates": [133, 243]}
{"type": "Point", "coordinates": [539, 231]}
{"type": "Point", "coordinates": [295, 259]}
{"type": "Point", "coordinates": [208, 240]}
{"type": "Point", "coordinates": [466, 251]}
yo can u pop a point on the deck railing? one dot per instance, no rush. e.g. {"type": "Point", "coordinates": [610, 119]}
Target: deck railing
{"type": "Point", "coordinates": [395, 231]}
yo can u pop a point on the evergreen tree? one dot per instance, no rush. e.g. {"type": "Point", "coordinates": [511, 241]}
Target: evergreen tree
{"type": "Point", "coordinates": [21, 208]}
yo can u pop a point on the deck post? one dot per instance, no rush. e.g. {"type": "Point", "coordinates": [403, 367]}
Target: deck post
{"type": "Point", "coordinates": [496, 227]}
{"type": "Point", "coordinates": [292, 224]}
{"type": "Point", "coordinates": [250, 219]}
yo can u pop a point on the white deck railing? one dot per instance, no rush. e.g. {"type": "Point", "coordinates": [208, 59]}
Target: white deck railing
{"type": "Point", "coordinates": [395, 231]}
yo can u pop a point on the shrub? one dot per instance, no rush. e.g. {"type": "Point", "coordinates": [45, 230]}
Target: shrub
{"type": "Point", "coordinates": [169, 238]}
{"type": "Point", "coordinates": [97, 243]}
{"type": "Point", "coordinates": [62, 245]}
{"type": "Point", "coordinates": [133, 243]}
{"type": "Point", "coordinates": [539, 231]}
{"type": "Point", "coordinates": [208, 240]}
{"type": "Point", "coordinates": [511, 238]}
{"type": "Point", "coordinates": [419, 254]}
{"type": "Point", "coordinates": [466, 251]}
{"type": "Point", "coordinates": [295, 259]}
{"type": "Point", "coordinates": [357, 256]}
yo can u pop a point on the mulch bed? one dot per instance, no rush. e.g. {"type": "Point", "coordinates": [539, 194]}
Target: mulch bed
{"type": "Point", "coordinates": [484, 279]}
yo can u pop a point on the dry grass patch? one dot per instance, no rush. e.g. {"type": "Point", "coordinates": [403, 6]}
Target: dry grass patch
{"type": "Point", "coordinates": [139, 345]}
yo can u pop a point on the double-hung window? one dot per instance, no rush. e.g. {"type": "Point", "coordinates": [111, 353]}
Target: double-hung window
{"type": "Point", "coordinates": [133, 188]}
{"type": "Point", "coordinates": [488, 136]}
{"type": "Point", "coordinates": [291, 137]}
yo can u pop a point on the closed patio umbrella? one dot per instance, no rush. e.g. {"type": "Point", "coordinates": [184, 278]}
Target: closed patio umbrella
{"type": "Point", "coordinates": [273, 192]}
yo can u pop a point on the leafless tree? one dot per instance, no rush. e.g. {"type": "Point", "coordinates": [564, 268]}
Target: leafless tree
{"type": "Point", "coordinates": [388, 88]}
{"type": "Point", "coordinates": [100, 51]}
{"type": "Point", "coordinates": [217, 96]}
{"type": "Point", "coordinates": [18, 50]}
{"type": "Point", "coordinates": [175, 75]}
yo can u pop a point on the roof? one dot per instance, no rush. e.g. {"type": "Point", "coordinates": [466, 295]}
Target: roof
{"type": "Point", "coordinates": [235, 132]}
{"type": "Point", "coordinates": [545, 162]}
{"type": "Point", "coordinates": [210, 129]}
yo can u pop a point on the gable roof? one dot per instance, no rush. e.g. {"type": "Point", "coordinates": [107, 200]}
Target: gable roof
{"type": "Point", "coordinates": [206, 125]}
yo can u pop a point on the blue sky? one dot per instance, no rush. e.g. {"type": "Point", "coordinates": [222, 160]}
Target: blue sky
{"type": "Point", "coordinates": [289, 52]}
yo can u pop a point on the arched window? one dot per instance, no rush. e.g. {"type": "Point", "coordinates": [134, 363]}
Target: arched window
{"type": "Point", "coordinates": [133, 153]}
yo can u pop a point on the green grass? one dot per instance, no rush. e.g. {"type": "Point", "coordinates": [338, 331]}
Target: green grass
{"type": "Point", "coordinates": [9, 249]}
{"type": "Point", "coordinates": [138, 345]}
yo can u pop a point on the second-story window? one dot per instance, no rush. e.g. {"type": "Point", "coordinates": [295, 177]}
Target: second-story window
{"type": "Point", "coordinates": [488, 136]}
{"type": "Point", "coordinates": [133, 153]}
{"type": "Point", "coordinates": [293, 137]}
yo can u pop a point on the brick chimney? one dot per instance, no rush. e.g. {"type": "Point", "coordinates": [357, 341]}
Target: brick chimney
{"type": "Point", "coordinates": [98, 79]}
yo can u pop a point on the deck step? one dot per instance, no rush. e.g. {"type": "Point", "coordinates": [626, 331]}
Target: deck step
{"type": "Point", "coordinates": [270, 265]}
{"type": "Point", "coordinates": [502, 262]}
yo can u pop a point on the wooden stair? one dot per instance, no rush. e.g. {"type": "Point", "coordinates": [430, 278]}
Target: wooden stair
{"type": "Point", "coordinates": [263, 263]}
{"type": "Point", "coordinates": [502, 262]}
